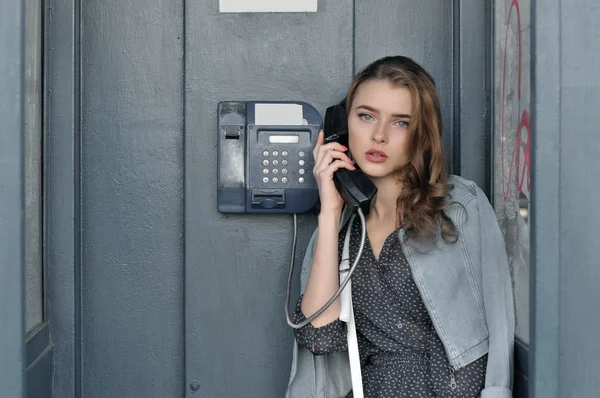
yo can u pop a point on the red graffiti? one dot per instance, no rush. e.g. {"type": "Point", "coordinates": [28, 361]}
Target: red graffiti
{"type": "Point", "coordinates": [518, 163]}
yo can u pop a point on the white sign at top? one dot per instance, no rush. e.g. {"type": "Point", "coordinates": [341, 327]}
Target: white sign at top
{"type": "Point", "coordinates": [267, 5]}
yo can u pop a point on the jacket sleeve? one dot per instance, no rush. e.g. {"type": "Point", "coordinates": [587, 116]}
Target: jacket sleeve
{"type": "Point", "coordinates": [498, 303]}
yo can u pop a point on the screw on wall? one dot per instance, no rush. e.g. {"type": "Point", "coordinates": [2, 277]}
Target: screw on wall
{"type": "Point", "coordinates": [194, 386]}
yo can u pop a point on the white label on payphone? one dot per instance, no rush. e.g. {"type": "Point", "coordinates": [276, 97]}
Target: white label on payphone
{"type": "Point", "coordinates": [278, 114]}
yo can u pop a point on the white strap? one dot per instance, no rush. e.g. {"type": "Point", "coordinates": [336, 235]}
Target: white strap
{"type": "Point", "coordinates": [346, 295]}
{"type": "Point", "coordinates": [347, 315]}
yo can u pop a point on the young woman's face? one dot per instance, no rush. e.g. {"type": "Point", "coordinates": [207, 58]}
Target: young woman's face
{"type": "Point", "coordinates": [378, 127]}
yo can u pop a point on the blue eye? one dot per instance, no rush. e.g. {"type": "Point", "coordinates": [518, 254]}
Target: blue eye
{"type": "Point", "coordinates": [365, 116]}
{"type": "Point", "coordinates": [402, 123]}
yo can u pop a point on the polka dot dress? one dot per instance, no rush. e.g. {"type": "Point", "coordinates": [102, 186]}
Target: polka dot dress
{"type": "Point", "coordinates": [401, 355]}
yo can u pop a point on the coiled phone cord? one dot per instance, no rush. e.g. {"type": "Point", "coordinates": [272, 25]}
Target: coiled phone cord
{"type": "Point", "coordinates": [340, 289]}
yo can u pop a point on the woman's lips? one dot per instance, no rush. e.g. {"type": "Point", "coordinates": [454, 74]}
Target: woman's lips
{"type": "Point", "coordinates": [376, 156]}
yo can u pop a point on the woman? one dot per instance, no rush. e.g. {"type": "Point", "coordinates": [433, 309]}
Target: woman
{"type": "Point", "coordinates": [431, 295]}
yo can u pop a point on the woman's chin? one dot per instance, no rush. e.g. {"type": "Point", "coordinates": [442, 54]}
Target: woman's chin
{"type": "Point", "coordinates": [377, 172]}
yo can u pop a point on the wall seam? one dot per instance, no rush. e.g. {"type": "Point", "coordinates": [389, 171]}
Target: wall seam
{"type": "Point", "coordinates": [353, 39]}
{"type": "Point", "coordinates": [559, 190]}
{"type": "Point", "coordinates": [456, 92]}
{"type": "Point", "coordinates": [184, 141]}
{"type": "Point", "coordinates": [490, 99]}
{"type": "Point", "coordinates": [77, 197]}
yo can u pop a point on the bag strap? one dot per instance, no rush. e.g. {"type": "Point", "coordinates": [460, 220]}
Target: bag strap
{"type": "Point", "coordinates": [347, 315]}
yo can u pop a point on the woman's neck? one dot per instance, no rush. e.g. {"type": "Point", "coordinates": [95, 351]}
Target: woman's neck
{"type": "Point", "coordinates": [384, 207]}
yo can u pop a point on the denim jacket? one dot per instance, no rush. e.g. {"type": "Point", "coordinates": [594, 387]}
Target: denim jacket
{"type": "Point", "coordinates": [466, 288]}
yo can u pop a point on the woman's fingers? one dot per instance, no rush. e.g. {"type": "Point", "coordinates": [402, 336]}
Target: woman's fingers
{"type": "Point", "coordinates": [326, 157]}
{"type": "Point", "coordinates": [327, 172]}
{"type": "Point", "coordinates": [320, 141]}
{"type": "Point", "coordinates": [321, 147]}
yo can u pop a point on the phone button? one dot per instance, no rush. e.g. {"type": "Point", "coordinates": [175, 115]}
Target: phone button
{"type": "Point", "coordinates": [301, 162]}
{"type": "Point", "coordinates": [301, 154]}
{"type": "Point", "coordinates": [265, 162]}
{"type": "Point", "coordinates": [265, 171]}
{"type": "Point", "coordinates": [275, 171]}
{"type": "Point", "coordinates": [275, 153]}
{"type": "Point", "coordinates": [284, 180]}
{"type": "Point", "coordinates": [284, 162]}
{"type": "Point", "coordinates": [301, 171]}
{"type": "Point", "coordinates": [284, 171]}
{"type": "Point", "coordinates": [266, 180]}
{"type": "Point", "coordinates": [266, 153]}
{"type": "Point", "coordinates": [275, 162]}
{"type": "Point", "coordinates": [284, 153]}
{"type": "Point", "coordinates": [301, 180]}
{"type": "Point", "coordinates": [275, 180]}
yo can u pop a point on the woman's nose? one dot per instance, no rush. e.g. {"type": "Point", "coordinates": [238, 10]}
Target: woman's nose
{"type": "Point", "coordinates": [379, 135]}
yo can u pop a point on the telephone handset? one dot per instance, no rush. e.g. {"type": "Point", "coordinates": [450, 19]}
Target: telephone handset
{"type": "Point", "coordinates": [354, 186]}
{"type": "Point", "coordinates": [356, 189]}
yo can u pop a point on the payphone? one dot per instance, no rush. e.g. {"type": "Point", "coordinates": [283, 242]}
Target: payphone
{"type": "Point", "coordinates": [265, 157]}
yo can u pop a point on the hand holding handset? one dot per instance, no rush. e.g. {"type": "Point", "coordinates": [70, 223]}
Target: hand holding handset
{"type": "Point", "coordinates": [357, 191]}
{"type": "Point", "coordinates": [354, 186]}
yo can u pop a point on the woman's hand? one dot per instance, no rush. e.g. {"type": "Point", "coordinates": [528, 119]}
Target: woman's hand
{"type": "Point", "coordinates": [328, 159]}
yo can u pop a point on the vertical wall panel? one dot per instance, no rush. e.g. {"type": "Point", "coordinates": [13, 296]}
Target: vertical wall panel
{"type": "Point", "coordinates": [132, 198]}
{"type": "Point", "coordinates": [472, 91]}
{"type": "Point", "coordinates": [565, 213]}
{"type": "Point", "coordinates": [12, 226]}
{"type": "Point", "coordinates": [237, 340]}
{"type": "Point", "coordinates": [579, 192]}
{"type": "Point", "coordinates": [60, 201]}
{"type": "Point", "coordinates": [421, 30]}
{"type": "Point", "coordinates": [33, 163]}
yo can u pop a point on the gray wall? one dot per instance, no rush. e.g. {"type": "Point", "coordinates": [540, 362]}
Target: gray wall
{"type": "Point", "coordinates": [115, 200]}
{"type": "Point", "coordinates": [565, 219]}
{"type": "Point", "coordinates": [237, 341]}
{"type": "Point", "coordinates": [132, 198]}
{"type": "Point", "coordinates": [152, 290]}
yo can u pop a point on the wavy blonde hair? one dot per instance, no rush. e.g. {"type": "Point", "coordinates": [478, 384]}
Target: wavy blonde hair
{"type": "Point", "coordinates": [424, 179]}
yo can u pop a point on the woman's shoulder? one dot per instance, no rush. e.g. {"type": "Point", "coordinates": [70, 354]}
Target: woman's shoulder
{"type": "Point", "coordinates": [468, 201]}
{"type": "Point", "coordinates": [463, 191]}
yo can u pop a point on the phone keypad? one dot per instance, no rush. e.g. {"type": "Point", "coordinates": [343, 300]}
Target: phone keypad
{"type": "Point", "coordinates": [285, 174]}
